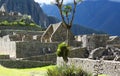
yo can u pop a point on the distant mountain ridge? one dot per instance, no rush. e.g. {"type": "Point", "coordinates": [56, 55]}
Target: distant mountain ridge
{"type": "Point", "coordinates": [101, 15]}
{"type": "Point", "coordinates": [80, 30]}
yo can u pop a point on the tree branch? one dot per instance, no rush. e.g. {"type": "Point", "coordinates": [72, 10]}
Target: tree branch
{"type": "Point", "coordinates": [60, 4]}
{"type": "Point", "coordinates": [67, 18]}
{"type": "Point", "coordinates": [73, 14]}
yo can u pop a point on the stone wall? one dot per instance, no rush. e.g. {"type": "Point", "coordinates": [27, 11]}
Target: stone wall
{"type": "Point", "coordinates": [9, 35]}
{"type": "Point", "coordinates": [60, 34]}
{"type": "Point", "coordinates": [56, 33]}
{"type": "Point", "coordinates": [24, 63]}
{"type": "Point", "coordinates": [24, 32]}
{"type": "Point", "coordinates": [4, 56]}
{"type": "Point", "coordinates": [27, 49]}
{"type": "Point", "coordinates": [47, 57]}
{"type": "Point", "coordinates": [93, 41]}
{"type": "Point", "coordinates": [8, 48]}
{"type": "Point", "coordinates": [47, 34]}
{"type": "Point", "coordinates": [20, 28]}
{"type": "Point", "coordinates": [110, 68]}
{"type": "Point", "coordinates": [78, 53]}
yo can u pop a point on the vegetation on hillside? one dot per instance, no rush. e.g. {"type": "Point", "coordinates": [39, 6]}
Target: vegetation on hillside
{"type": "Point", "coordinates": [15, 23]}
{"type": "Point", "coordinates": [16, 20]}
{"type": "Point", "coordinates": [21, 22]}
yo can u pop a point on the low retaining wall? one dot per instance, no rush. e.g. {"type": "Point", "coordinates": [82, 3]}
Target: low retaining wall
{"type": "Point", "coordinates": [20, 28]}
{"type": "Point", "coordinates": [24, 63]}
{"type": "Point", "coordinates": [110, 68]}
{"type": "Point", "coordinates": [46, 57]}
{"type": "Point", "coordinates": [4, 57]}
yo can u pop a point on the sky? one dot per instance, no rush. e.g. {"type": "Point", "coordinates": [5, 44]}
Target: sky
{"type": "Point", "coordinates": [65, 1]}
{"type": "Point", "coordinates": [115, 0]}
{"type": "Point", "coordinates": [49, 1]}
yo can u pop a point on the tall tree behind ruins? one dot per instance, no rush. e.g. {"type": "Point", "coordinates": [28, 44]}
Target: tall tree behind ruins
{"type": "Point", "coordinates": [67, 13]}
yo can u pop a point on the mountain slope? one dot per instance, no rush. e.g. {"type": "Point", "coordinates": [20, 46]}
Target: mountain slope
{"type": "Point", "coordinates": [80, 30]}
{"type": "Point", "coordinates": [100, 14]}
{"type": "Point", "coordinates": [29, 7]}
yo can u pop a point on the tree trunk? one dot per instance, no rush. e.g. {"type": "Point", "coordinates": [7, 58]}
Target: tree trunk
{"type": "Point", "coordinates": [68, 37]}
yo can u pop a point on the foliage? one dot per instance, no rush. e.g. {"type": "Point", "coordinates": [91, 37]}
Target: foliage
{"type": "Point", "coordinates": [4, 23]}
{"type": "Point", "coordinates": [17, 23]}
{"type": "Point", "coordinates": [32, 24]}
{"type": "Point", "coordinates": [66, 70]}
{"type": "Point", "coordinates": [62, 51]}
{"type": "Point", "coordinates": [21, 23]}
{"type": "Point", "coordinates": [14, 23]}
{"type": "Point", "coordinates": [67, 10]}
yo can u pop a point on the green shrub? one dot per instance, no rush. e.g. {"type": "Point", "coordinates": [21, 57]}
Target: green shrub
{"type": "Point", "coordinates": [32, 24]}
{"type": "Point", "coordinates": [6, 23]}
{"type": "Point", "coordinates": [22, 24]}
{"type": "Point", "coordinates": [62, 51]}
{"type": "Point", "coordinates": [15, 23]}
{"type": "Point", "coordinates": [67, 71]}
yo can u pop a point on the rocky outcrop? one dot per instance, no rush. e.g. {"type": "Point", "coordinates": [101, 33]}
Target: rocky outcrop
{"type": "Point", "coordinates": [97, 53]}
{"type": "Point", "coordinates": [29, 7]}
{"type": "Point", "coordinates": [108, 53]}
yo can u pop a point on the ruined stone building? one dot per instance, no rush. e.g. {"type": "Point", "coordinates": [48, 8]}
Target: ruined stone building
{"type": "Point", "coordinates": [56, 33]}
{"type": "Point", "coordinates": [26, 43]}
{"type": "Point", "coordinates": [93, 41]}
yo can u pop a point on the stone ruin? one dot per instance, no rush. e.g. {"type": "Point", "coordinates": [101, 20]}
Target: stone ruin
{"type": "Point", "coordinates": [101, 46]}
{"type": "Point", "coordinates": [26, 43]}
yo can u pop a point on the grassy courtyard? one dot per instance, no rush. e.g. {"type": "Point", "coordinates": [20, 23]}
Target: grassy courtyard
{"type": "Point", "coordinates": [39, 71]}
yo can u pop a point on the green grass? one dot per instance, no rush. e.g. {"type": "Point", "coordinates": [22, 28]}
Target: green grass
{"type": "Point", "coordinates": [102, 75]}
{"type": "Point", "coordinates": [40, 71]}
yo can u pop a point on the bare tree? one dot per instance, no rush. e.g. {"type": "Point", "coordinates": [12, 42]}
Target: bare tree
{"type": "Point", "coordinates": [67, 13]}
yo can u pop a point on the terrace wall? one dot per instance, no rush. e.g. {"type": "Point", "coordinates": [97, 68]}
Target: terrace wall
{"type": "Point", "coordinates": [110, 68]}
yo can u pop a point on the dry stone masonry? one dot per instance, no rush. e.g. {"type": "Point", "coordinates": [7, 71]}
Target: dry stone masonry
{"type": "Point", "coordinates": [25, 43]}
{"type": "Point", "coordinates": [110, 68]}
{"type": "Point", "coordinates": [34, 44]}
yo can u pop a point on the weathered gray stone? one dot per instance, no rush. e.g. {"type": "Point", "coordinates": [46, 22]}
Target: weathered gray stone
{"type": "Point", "coordinates": [47, 57]}
{"type": "Point", "coordinates": [114, 40]}
{"type": "Point", "coordinates": [108, 57]}
{"type": "Point", "coordinates": [117, 58]}
{"type": "Point", "coordinates": [110, 68]}
{"type": "Point", "coordinates": [27, 49]}
{"type": "Point", "coordinates": [78, 53]}
{"type": "Point", "coordinates": [97, 53]}
{"type": "Point", "coordinates": [8, 48]}
{"type": "Point", "coordinates": [93, 41]}
{"type": "Point", "coordinates": [4, 57]}
{"type": "Point", "coordinates": [56, 33]}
